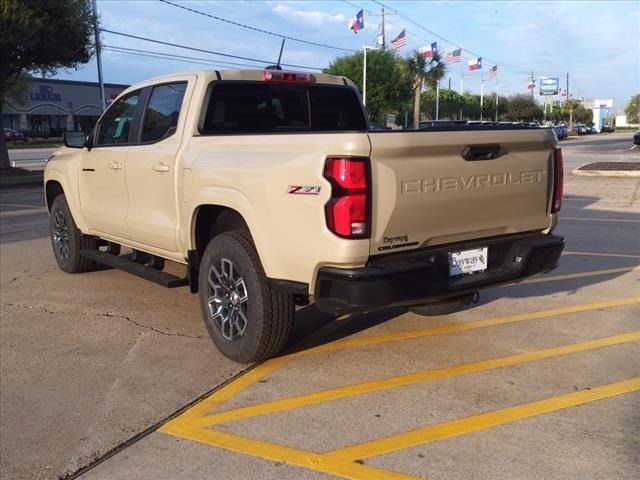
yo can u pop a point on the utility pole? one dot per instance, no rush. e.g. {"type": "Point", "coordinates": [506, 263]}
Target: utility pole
{"type": "Point", "coordinates": [98, 55]}
{"type": "Point", "coordinates": [382, 26]}
{"type": "Point", "coordinates": [570, 104]}
{"type": "Point", "coordinates": [381, 34]}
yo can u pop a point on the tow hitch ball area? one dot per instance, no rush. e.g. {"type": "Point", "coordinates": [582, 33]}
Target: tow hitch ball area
{"type": "Point", "coordinates": [472, 298]}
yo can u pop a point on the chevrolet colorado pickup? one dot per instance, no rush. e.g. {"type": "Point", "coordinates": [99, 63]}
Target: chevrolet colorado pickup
{"type": "Point", "coordinates": [271, 189]}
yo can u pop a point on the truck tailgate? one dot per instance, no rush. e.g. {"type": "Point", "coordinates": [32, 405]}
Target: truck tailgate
{"type": "Point", "coordinates": [426, 193]}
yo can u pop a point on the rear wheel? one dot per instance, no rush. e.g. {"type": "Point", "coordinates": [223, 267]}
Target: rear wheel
{"type": "Point", "coordinates": [67, 240]}
{"type": "Point", "coordinates": [246, 319]}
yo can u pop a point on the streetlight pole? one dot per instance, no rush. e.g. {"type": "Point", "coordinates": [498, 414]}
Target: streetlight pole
{"type": "Point", "coordinates": [98, 54]}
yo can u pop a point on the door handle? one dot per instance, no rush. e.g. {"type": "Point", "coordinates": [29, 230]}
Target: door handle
{"type": "Point", "coordinates": [115, 166]}
{"type": "Point", "coordinates": [160, 167]}
{"type": "Point", "coordinates": [483, 152]}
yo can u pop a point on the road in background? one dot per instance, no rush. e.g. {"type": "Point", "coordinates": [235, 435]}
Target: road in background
{"type": "Point", "coordinates": [29, 158]}
{"type": "Point", "coordinates": [91, 361]}
{"type": "Point", "coordinates": [585, 149]}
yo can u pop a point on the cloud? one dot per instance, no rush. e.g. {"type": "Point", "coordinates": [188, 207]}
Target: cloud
{"type": "Point", "coordinates": [313, 17]}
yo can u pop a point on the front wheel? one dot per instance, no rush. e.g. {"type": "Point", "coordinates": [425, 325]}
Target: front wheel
{"type": "Point", "coordinates": [246, 319]}
{"type": "Point", "coordinates": [67, 240]}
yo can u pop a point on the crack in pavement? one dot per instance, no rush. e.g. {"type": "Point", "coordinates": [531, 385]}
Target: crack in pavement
{"type": "Point", "coordinates": [167, 332]}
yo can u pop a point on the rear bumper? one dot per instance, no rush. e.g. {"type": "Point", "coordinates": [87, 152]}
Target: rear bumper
{"type": "Point", "coordinates": [420, 277]}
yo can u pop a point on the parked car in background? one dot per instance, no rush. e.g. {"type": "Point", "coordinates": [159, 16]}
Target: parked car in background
{"type": "Point", "coordinates": [378, 126]}
{"type": "Point", "coordinates": [580, 129]}
{"type": "Point", "coordinates": [607, 129]}
{"type": "Point", "coordinates": [561, 131]}
{"type": "Point", "coordinates": [11, 135]}
{"type": "Point", "coordinates": [636, 138]}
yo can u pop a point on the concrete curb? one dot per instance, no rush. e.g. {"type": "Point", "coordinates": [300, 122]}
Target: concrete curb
{"type": "Point", "coordinates": [607, 173]}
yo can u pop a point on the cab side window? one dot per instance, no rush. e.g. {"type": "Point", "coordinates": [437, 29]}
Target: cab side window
{"type": "Point", "coordinates": [115, 125]}
{"type": "Point", "coordinates": [163, 110]}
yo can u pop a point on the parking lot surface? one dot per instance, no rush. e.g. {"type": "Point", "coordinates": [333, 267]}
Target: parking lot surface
{"type": "Point", "coordinates": [108, 377]}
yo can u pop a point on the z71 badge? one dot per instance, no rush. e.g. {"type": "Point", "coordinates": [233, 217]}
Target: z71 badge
{"type": "Point", "coordinates": [303, 190]}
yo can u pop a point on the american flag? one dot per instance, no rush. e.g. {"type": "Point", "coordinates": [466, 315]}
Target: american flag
{"type": "Point", "coordinates": [399, 41]}
{"type": "Point", "coordinates": [493, 71]}
{"type": "Point", "coordinates": [454, 57]}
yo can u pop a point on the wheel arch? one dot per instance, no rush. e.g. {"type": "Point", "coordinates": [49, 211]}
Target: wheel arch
{"type": "Point", "coordinates": [55, 184]}
{"type": "Point", "coordinates": [52, 189]}
{"type": "Point", "coordinates": [210, 220]}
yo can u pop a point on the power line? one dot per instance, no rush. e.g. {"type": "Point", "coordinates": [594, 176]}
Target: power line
{"type": "Point", "coordinates": [255, 29]}
{"type": "Point", "coordinates": [228, 55]}
{"type": "Point", "coordinates": [181, 58]}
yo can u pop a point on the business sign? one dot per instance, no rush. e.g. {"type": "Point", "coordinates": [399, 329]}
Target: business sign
{"type": "Point", "coordinates": [603, 103]}
{"type": "Point", "coordinates": [45, 93]}
{"type": "Point", "coordinates": [549, 85]}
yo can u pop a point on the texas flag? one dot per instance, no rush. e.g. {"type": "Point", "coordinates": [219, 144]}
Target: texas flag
{"type": "Point", "coordinates": [429, 51]}
{"type": "Point", "coordinates": [475, 64]}
{"type": "Point", "coordinates": [531, 85]}
{"type": "Point", "coordinates": [358, 22]}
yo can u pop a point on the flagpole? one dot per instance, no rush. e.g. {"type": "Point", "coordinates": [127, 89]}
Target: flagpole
{"type": "Point", "coordinates": [497, 97]}
{"type": "Point", "coordinates": [438, 100]}
{"type": "Point", "coordinates": [461, 85]}
{"type": "Point", "coordinates": [481, 94]}
{"type": "Point", "coordinates": [364, 77]}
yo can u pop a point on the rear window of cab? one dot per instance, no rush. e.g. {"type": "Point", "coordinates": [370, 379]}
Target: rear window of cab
{"type": "Point", "coordinates": [251, 107]}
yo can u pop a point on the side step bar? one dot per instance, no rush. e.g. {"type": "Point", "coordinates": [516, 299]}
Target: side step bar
{"type": "Point", "coordinates": [129, 266]}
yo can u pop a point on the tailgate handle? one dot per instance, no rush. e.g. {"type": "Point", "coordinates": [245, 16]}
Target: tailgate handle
{"type": "Point", "coordinates": [483, 152]}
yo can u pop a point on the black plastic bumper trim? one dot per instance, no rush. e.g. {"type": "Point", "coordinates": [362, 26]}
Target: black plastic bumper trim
{"type": "Point", "coordinates": [421, 276]}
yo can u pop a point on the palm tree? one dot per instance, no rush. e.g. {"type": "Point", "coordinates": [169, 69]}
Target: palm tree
{"type": "Point", "coordinates": [423, 71]}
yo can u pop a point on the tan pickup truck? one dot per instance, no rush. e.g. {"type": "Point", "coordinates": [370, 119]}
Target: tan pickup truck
{"type": "Point", "coordinates": [273, 192]}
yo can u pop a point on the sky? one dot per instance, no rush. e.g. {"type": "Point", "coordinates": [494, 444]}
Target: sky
{"type": "Point", "coordinates": [596, 42]}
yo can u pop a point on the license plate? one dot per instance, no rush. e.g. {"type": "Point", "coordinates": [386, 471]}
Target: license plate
{"type": "Point", "coordinates": [468, 261]}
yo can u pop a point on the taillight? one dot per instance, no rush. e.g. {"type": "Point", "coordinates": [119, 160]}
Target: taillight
{"type": "Point", "coordinates": [349, 209]}
{"type": "Point", "coordinates": [558, 180]}
{"type": "Point", "coordinates": [282, 76]}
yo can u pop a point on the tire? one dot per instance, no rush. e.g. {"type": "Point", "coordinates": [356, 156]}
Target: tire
{"type": "Point", "coordinates": [261, 325]}
{"type": "Point", "coordinates": [436, 309]}
{"type": "Point", "coordinates": [67, 240]}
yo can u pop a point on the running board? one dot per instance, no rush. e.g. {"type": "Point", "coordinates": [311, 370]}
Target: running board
{"type": "Point", "coordinates": [129, 266]}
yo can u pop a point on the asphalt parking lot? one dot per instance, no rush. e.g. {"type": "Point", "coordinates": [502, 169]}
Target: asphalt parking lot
{"type": "Point", "coordinates": [105, 376]}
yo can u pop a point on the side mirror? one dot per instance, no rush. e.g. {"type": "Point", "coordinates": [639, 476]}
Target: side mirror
{"type": "Point", "coordinates": [89, 140]}
{"type": "Point", "coordinates": [74, 139]}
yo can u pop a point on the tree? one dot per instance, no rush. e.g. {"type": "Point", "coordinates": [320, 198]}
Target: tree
{"type": "Point", "coordinates": [633, 109]}
{"type": "Point", "coordinates": [423, 71]}
{"type": "Point", "coordinates": [523, 108]}
{"type": "Point", "coordinates": [41, 36]}
{"type": "Point", "coordinates": [387, 87]}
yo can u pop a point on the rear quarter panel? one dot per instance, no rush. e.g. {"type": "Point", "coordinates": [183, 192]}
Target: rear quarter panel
{"type": "Point", "coordinates": [252, 175]}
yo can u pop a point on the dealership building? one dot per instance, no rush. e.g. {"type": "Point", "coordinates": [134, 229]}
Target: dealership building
{"type": "Point", "coordinates": [50, 107]}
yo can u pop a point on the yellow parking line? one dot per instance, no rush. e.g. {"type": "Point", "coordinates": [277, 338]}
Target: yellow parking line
{"type": "Point", "coordinates": [599, 219]}
{"type": "Point", "coordinates": [257, 373]}
{"type": "Point", "coordinates": [406, 335]}
{"type": "Point", "coordinates": [278, 453]}
{"type": "Point", "coordinates": [601, 254]}
{"type": "Point", "coordinates": [478, 422]}
{"type": "Point", "coordinates": [402, 380]}
{"type": "Point", "coordinates": [569, 276]}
